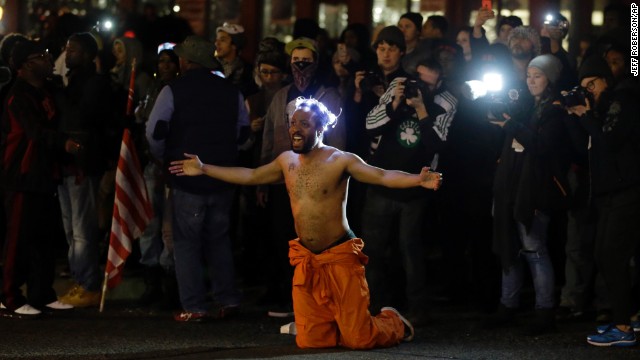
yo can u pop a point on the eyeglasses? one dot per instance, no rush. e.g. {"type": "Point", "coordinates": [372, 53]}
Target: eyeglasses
{"type": "Point", "coordinates": [591, 84]}
{"type": "Point", "coordinates": [270, 72]}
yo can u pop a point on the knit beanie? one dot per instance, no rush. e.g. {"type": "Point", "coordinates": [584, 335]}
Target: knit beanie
{"type": "Point", "coordinates": [273, 58]}
{"type": "Point", "coordinates": [391, 35]}
{"type": "Point", "coordinates": [526, 32]}
{"type": "Point", "coordinates": [549, 65]}
{"type": "Point", "coordinates": [594, 65]}
{"type": "Point", "coordinates": [414, 18]}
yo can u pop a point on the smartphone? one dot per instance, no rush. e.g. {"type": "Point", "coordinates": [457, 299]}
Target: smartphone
{"type": "Point", "coordinates": [486, 4]}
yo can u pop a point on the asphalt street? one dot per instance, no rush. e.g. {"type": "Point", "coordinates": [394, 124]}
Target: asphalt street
{"type": "Point", "coordinates": [125, 332]}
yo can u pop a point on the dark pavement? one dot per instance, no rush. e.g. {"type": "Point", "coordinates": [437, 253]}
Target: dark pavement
{"type": "Point", "coordinates": [124, 332]}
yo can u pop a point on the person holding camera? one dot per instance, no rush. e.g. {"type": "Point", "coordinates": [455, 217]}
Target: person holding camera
{"type": "Point", "coordinates": [411, 122]}
{"type": "Point", "coordinates": [529, 187]}
{"type": "Point", "coordinates": [554, 29]}
{"type": "Point", "coordinates": [390, 48]}
{"type": "Point", "coordinates": [610, 117]}
{"type": "Point", "coordinates": [365, 90]}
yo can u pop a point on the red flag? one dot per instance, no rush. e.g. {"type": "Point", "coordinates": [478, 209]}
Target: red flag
{"type": "Point", "coordinates": [132, 210]}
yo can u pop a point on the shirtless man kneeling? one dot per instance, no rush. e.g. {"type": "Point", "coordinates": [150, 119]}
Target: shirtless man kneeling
{"type": "Point", "coordinates": [330, 293]}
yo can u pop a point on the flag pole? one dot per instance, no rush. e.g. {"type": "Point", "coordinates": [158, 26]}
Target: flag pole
{"type": "Point", "coordinates": [104, 291]}
{"type": "Point", "coordinates": [132, 81]}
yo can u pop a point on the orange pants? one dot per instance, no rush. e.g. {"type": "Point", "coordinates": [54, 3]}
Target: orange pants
{"type": "Point", "coordinates": [331, 300]}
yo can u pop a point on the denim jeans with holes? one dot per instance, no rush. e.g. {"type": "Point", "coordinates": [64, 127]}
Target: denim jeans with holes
{"type": "Point", "coordinates": [534, 252]}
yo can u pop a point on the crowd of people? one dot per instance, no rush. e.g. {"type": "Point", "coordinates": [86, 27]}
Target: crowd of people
{"type": "Point", "coordinates": [538, 149]}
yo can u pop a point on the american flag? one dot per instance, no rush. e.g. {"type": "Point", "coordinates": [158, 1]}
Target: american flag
{"type": "Point", "coordinates": [132, 210]}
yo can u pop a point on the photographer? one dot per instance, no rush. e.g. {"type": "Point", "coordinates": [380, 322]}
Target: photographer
{"type": "Point", "coordinates": [371, 84]}
{"type": "Point", "coordinates": [610, 117]}
{"type": "Point", "coordinates": [529, 186]}
{"type": "Point", "coordinates": [411, 122]}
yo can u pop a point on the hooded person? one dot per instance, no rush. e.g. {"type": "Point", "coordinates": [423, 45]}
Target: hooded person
{"type": "Point", "coordinates": [125, 50]}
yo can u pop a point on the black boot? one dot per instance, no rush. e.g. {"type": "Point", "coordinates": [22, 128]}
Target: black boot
{"type": "Point", "coordinates": [503, 317]}
{"type": "Point", "coordinates": [152, 286]}
{"type": "Point", "coordinates": [544, 322]}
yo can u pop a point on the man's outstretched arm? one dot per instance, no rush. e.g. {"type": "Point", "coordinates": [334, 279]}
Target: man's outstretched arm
{"type": "Point", "coordinates": [366, 173]}
{"type": "Point", "coordinates": [192, 166]}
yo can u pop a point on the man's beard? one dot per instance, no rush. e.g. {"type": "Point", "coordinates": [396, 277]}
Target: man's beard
{"type": "Point", "coordinates": [306, 147]}
{"type": "Point", "coordinates": [304, 150]}
{"type": "Point", "coordinates": [521, 54]}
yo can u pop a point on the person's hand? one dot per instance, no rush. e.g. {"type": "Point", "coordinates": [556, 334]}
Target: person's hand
{"type": "Point", "coordinates": [190, 167]}
{"type": "Point", "coordinates": [416, 102]}
{"type": "Point", "coordinates": [358, 79]}
{"type": "Point", "coordinates": [262, 196]}
{"type": "Point", "coordinates": [501, 123]}
{"type": "Point", "coordinates": [577, 110]}
{"type": "Point", "coordinates": [257, 124]}
{"type": "Point", "coordinates": [398, 93]}
{"type": "Point", "coordinates": [72, 147]}
{"type": "Point", "coordinates": [482, 17]}
{"type": "Point", "coordinates": [378, 90]}
{"type": "Point", "coordinates": [430, 179]}
{"type": "Point", "coordinates": [580, 109]}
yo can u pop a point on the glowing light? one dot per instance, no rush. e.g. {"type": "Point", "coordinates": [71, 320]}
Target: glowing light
{"type": "Point", "coordinates": [108, 25]}
{"type": "Point", "coordinates": [176, 8]}
{"type": "Point", "coordinates": [493, 81]}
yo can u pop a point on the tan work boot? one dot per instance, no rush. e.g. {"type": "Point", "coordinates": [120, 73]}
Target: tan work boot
{"type": "Point", "coordinates": [80, 297]}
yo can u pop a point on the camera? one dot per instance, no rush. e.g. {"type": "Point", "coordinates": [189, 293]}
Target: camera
{"type": "Point", "coordinates": [574, 97]}
{"type": "Point", "coordinates": [503, 103]}
{"type": "Point", "coordinates": [370, 80]}
{"type": "Point", "coordinates": [557, 21]}
{"type": "Point", "coordinates": [411, 88]}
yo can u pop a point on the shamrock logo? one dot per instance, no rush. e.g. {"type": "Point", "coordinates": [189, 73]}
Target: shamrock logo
{"type": "Point", "coordinates": [409, 134]}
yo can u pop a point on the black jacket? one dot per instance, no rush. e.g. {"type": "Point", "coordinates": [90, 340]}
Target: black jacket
{"type": "Point", "coordinates": [31, 145]}
{"type": "Point", "coordinates": [531, 173]}
{"type": "Point", "coordinates": [615, 141]}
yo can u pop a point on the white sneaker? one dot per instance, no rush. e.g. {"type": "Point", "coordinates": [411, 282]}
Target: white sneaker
{"type": "Point", "coordinates": [407, 336]}
{"type": "Point", "coordinates": [57, 305]}
{"type": "Point", "coordinates": [27, 309]}
{"type": "Point", "coordinates": [289, 328]}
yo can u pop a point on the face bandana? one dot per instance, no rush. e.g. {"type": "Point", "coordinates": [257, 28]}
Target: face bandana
{"type": "Point", "coordinates": [303, 72]}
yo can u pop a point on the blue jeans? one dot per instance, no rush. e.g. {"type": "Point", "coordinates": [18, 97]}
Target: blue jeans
{"type": "Point", "coordinates": [534, 251]}
{"type": "Point", "coordinates": [80, 221]}
{"type": "Point", "coordinates": [152, 249]}
{"type": "Point", "coordinates": [201, 239]}
{"type": "Point", "coordinates": [380, 217]}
